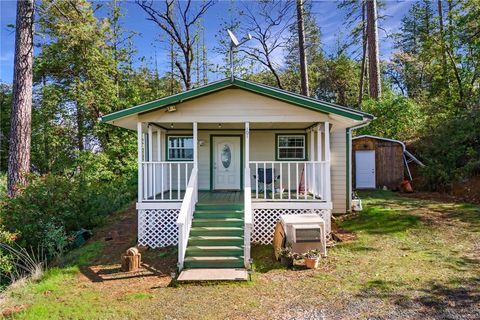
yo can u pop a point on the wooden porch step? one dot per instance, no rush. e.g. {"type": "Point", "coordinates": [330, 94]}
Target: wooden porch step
{"type": "Point", "coordinates": [213, 262]}
{"type": "Point", "coordinates": [215, 240]}
{"type": "Point", "coordinates": [205, 251]}
{"type": "Point", "coordinates": [216, 231]}
{"type": "Point", "coordinates": [223, 222]}
{"type": "Point", "coordinates": [210, 274]}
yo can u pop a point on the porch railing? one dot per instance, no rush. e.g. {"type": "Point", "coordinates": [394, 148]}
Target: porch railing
{"type": "Point", "coordinates": [184, 221]}
{"type": "Point", "coordinates": [289, 180]}
{"type": "Point", "coordinates": [164, 181]}
{"type": "Point", "coordinates": [248, 219]}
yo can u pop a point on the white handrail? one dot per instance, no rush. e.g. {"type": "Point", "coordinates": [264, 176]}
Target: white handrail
{"type": "Point", "coordinates": [184, 221]}
{"type": "Point", "coordinates": [248, 217]}
{"type": "Point", "coordinates": [293, 180]}
{"type": "Point", "coordinates": [164, 180]}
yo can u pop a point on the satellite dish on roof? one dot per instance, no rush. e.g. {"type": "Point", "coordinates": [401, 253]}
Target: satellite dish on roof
{"type": "Point", "coordinates": [234, 44]}
{"type": "Point", "coordinates": [234, 39]}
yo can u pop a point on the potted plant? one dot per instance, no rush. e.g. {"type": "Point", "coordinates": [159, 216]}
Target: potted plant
{"type": "Point", "coordinates": [311, 258]}
{"type": "Point", "coordinates": [286, 256]}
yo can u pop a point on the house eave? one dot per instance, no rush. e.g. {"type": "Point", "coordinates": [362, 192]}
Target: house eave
{"type": "Point", "coordinates": [274, 93]}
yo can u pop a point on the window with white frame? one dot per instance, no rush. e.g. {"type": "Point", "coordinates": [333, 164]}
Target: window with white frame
{"type": "Point", "coordinates": [291, 147]}
{"type": "Point", "coordinates": [180, 148]}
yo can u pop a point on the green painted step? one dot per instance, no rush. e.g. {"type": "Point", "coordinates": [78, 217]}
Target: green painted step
{"type": "Point", "coordinates": [216, 231]}
{"type": "Point", "coordinates": [212, 251]}
{"type": "Point", "coordinates": [214, 262]}
{"type": "Point", "coordinates": [215, 241]}
{"type": "Point", "coordinates": [225, 222]}
{"type": "Point", "coordinates": [217, 207]}
{"type": "Point", "coordinates": [217, 215]}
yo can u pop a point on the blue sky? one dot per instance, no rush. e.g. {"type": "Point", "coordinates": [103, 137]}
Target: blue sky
{"type": "Point", "coordinates": [330, 19]}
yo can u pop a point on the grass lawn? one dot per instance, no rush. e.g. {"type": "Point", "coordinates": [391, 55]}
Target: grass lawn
{"type": "Point", "coordinates": [412, 259]}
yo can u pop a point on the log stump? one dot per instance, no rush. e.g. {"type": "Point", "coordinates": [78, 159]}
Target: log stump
{"type": "Point", "coordinates": [131, 260]}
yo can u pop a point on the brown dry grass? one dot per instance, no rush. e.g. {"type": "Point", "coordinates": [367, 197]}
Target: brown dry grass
{"type": "Point", "coordinates": [413, 258]}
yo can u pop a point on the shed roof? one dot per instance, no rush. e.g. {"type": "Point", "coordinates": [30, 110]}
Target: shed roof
{"type": "Point", "coordinates": [275, 93]}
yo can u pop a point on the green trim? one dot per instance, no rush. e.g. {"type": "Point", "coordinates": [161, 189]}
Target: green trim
{"type": "Point", "coordinates": [282, 95]}
{"type": "Point", "coordinates": [167, 100]}
{"type": "Point", "coordinates": [349, 194]}
{"type": "Point", "coordinates": [298, 100]}
{"type": "Point", "coordinates": [305, 158]}
{"type": "Point", "coordinates": [211, 157]}
{"type": "Point", "coordinates": [167, 157]}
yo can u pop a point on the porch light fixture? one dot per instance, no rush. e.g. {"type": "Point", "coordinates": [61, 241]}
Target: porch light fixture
{"type": "Point", "coordinates": [171, 125]}
{"type": "Point", "coordinates": [219, 125]}
{"type": "Point", "coordinates": [171, 108]}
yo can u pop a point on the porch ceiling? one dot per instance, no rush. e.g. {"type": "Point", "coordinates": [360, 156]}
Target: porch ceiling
{"type": "Point", "coordinates": [237, 126]}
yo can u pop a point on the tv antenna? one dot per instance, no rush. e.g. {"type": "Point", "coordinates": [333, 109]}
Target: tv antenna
{"type": "Point", "coordinates": [234, 43]}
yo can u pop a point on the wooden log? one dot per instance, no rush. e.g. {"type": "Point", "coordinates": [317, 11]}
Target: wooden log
{"type": "Point", "coordinates": [131, 260]}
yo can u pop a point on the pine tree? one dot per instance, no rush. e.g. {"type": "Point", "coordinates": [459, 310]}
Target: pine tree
{"type": "Point", "coordinates": [20, 124]}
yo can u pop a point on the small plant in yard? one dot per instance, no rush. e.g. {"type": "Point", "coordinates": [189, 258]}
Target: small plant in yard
{"type": "Point", "coordinates": [287, 256]}
{"type": "Point", "coordinates": [25, 264]}
{"type": "Point", "coordinates": [311, 258]}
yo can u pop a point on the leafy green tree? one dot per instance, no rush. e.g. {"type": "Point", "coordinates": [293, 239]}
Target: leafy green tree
{"type": "Point", "coordinates": [397, 117]}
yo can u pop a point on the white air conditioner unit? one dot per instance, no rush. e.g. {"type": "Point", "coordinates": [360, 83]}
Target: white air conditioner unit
{"type": "Point", "coordinates": [305, 232]}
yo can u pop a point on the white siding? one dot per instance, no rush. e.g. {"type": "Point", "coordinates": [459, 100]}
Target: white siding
{"type": "Point", "coordinates": [338, 170]}
{"type": "Point", "coordinates": [234, 106]}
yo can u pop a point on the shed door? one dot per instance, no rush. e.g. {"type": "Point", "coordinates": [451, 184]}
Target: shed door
{"type": "Point", "coordinates": [365, 169]}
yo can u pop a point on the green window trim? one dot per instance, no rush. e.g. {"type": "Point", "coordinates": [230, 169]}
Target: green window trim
{"type": "Point", "coordinates": [277, 146]}
{"type": "Point", "coordinates": [167, 146]}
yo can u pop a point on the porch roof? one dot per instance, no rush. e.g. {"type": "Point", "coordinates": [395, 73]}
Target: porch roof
{"type": "Point", "coordinates": [275, 93]}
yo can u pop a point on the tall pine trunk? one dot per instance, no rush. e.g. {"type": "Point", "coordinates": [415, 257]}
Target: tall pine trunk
{"type": "Point", "coordinates": [364, 57]}
{"type": "Point", "coordinates": [301, 48]}
{"type": "Point", "coordinates": [442, 39]}
{"type": "Point", "coordinates": [21, 117]}
{"type": "Point", "coordinates": [373, 54]}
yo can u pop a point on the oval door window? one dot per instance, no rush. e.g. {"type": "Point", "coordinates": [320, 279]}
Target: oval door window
{"type": "Point", "coordinates": [226, 156]}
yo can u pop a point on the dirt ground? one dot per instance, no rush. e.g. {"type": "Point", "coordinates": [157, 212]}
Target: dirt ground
{"type": "Point", "coordinates": [405, 258]}
{"type": "Point", "coordinates": [105, 269]}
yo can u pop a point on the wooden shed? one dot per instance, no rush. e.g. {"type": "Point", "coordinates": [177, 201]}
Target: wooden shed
{"type": "Point", "coordinates": [377, 162]}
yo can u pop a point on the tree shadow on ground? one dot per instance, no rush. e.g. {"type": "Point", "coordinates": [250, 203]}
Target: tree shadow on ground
{"type": "Point", "coordinates": [459, 299]}
{"type": "Point", "coordinates": [155, 263]}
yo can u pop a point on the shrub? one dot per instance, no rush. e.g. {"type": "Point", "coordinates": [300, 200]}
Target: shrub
{"type": "Point", "coordinates": [53, 206]}
{"type": "Point", "coordinates": [451, 151]}
{"type": "Point", "coordinates": [397, 117]}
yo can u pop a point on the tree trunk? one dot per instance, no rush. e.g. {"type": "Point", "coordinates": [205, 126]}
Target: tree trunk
{"type": "Point", "coordinates": [301, 48]}
{"type": "Point", "coordinates": [21, 117]}
{"type": "Point", "coordinates": [444, 54]}
{"type": "Point", "coordinates": [364, 57]}
{"type": "Point", "coordinates": [373, 54]}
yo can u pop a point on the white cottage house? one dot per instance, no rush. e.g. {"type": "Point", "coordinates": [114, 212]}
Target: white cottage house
{"type": "Point", "coordinates": [218, 164]}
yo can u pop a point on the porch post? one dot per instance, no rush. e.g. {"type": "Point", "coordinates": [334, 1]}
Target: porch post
{"type": "Point", "coordinates": [319, 143]}
{"type": "Point", "coordinates": [321, 166]}
{"type": "Point", "coordinates": [159, 145]}
{"type": "Point", "coordinates": [312, 145]}
{"type": "Point", "coordinates": [140, 156]}
{"type": "Point", "coordinates": [195, 145]}
{"type": "Point", "coordinates": [247, 145]}
{"type": "Point", "coordinates": [328, 189]}
{"type": "Point", "coordinates": [150, 143]}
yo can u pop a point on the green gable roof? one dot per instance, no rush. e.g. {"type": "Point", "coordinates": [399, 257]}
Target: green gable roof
{"type": "Point", "coordinates": [282, 95]}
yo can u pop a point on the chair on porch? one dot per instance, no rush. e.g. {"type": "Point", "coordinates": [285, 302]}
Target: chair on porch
{"type": "Point", "coordinates": [266, 177]}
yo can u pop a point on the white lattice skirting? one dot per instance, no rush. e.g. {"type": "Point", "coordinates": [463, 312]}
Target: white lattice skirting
{"type": "Point", "coordinates": [264, 221]}
{"type": "Point", "coordinates": [158, 227]}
